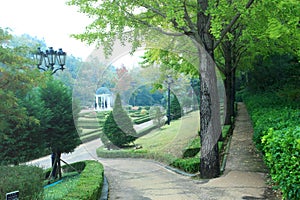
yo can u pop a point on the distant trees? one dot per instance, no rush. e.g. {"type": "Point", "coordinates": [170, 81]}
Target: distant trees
{"type": "Point", "coordinates": [118, 127]}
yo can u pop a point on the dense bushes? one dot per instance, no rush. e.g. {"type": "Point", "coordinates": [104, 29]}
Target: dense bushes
{"type": "Point", "coordinates": [28, 180]}
{"type": "Point", "coordinates": [277, 134]}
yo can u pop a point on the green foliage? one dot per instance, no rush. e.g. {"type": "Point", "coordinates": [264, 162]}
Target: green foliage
{"type": "Point", "coordinates": [87, 186]}
{"type": "Point", "coordinates": [282, 154]}
{"type": "Point", "coordinates": [190, 165]}
{"type": "Point", "coordinates": [19, 116]}
{"type": "Point", "coordinates": [28, 180]}
{"type": "Point", "coordinates": [274, 72]}
{"type": "Point", "coordinates": [277, 134]}
{"type": "Point", "coordinates": [61, 135]}
{"type": "Point", "coordinates": [175, 108]}
{"type": "Point", "coordinates": [157, 115]}
{"type": "Point", "coordinates": [118, 127]}
{"type": "Point", "coordinates": [142, 120]}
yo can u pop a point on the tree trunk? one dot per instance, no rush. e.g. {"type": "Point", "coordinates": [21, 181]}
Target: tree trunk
{"type": "Point", "coordinates": [229, 82]}
{"type": "Point", "coordinates": [59, 165]}
{"type": "Point", "coordinates": [210, 126]}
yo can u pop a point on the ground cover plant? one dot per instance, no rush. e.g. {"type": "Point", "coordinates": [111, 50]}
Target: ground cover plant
{"type": "Point", "coordinates": [277, 134]}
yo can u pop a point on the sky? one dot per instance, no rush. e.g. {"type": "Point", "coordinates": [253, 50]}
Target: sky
{"type": "Point", "coordinates": [51, 20]}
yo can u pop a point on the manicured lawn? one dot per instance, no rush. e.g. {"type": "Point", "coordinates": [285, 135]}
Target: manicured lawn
{"type": "Point", "coordinates": [172, 139]}
{"type": "Point", "coordinates": [165, 144]}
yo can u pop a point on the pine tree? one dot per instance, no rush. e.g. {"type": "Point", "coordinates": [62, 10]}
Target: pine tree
{"type": "Point", "coordinates": [60, 135]}
{"type": "Point", "coordinates": [175, 108]}
{"type": "Point", "coordinates": [118, 127]}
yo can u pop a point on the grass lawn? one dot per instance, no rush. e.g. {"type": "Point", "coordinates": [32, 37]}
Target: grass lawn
{"type": "Point", "coordinates": [163, 144]}
{"type": "Point", "coordinates": [173, 138]}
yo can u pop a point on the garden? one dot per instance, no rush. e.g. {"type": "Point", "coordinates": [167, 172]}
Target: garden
{"type": "Point", "coordinates": [81, 180]}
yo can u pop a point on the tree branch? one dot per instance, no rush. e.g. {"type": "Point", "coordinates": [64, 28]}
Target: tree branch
{"type": "Point", "coordinates": [233, 21]}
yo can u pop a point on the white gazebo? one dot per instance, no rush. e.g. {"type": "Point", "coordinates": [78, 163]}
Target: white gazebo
{"type": "Point", "coordinates": [103, 100]}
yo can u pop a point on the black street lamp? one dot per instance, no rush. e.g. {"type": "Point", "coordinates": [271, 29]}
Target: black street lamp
{"type": "Point", "coordinates": [169, 82]}
{"type": "Point", "coordinates": [47, 60]}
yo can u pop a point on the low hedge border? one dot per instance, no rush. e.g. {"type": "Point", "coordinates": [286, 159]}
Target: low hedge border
{"type": "Point", "coordinates": [189, 163]}
{"type": "Point", "coordinates": [90, 182]}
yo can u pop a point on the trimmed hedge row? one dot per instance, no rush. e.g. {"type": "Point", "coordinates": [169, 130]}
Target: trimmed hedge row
{"type": "Point", "coordinates": [90, 182]}
{"type": "Point", "coordinates": [277, 134]}
{"type": "Point", "coordinates": [28, 180]}
{"type": "Point", "coordinates": [142, 120]}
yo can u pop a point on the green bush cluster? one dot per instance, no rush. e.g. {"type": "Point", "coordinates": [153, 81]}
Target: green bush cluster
{"type": "Point", "coordinates": [277, 134]}
{"type": "Point", "coordinates": [28, 180]}
{"type": "Point", "coordinates": [90, 182]}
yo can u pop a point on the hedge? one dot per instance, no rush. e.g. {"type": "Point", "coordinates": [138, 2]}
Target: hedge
{"type": "Point", "coordinates": [90, 182]}
{"type": "Point", "coordinates": [28, 180]}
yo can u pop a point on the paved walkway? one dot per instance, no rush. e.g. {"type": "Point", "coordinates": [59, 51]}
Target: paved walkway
{"type": "Point", "coordinates": [244, 176]}
{"type": "Point", "coordinates": [139, 179]}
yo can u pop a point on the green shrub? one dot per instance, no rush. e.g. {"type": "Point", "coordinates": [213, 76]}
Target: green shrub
{"type": "Point", "coordinates": [277, 134]}
{"type": "Point", "coordinates": [282, 153]}
{"type": "Point", "coordinates": [190, 165]}
{"type": "Point", "coordinates": [28, 180]}
{"type": "Point", "coordinates": [118, 127]}
{"type": "Point", "coordinates": [90, 182]}
{"type": "Point", "coordinates": [191, 152]}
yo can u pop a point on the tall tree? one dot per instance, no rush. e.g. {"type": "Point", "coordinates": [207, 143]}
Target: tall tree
{"type": "Point", "coordinates": [60, 134]}
{"type": "Point", "coordinates": [17, 117]}
{"type": "Point", "coordinates": [174, 18]}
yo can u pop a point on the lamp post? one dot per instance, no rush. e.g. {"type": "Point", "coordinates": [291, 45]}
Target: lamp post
{"type": "Point", "coordinates": [169, 82]}
{"type": "Point", "coordinates": [52, 61]}
{"type": "Point", "coordinates": [48, 60]}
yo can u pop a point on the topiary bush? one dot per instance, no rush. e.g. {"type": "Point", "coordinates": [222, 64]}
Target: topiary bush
{"type": "Point", "coordinates": [28, 180]}
{"type": "Point", "coordinates": [118, 127]}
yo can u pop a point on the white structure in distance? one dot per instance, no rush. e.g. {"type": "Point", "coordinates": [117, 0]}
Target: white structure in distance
{"type": "Point", "coordinates": [103, 99]}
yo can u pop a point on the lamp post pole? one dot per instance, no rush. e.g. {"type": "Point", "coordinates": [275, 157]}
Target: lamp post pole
{"type": "Point", "coordinates": [52, 61]}
{"type": "Point", "coordinates": [48, 60]}
{"type": "Point", "coordinates": [169, 82]}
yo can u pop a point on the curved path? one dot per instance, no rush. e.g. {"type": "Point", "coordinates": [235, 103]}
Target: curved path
{"type": "Point", "coordinates": [139, 179]}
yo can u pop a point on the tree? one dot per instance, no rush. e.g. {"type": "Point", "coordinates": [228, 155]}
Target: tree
{"type": "Point", "coordinates": [19, 120]}
{"type": "Point", "coordinates": [60, 134]}
{"type": "Point", "coordinates": [157, 114]}
{"type": "Point", "coordinates": [118, 127]}
{"type": "Point", "coordinates": [172, 18]}
{"type": "Point", "coordinates": [175, 108]}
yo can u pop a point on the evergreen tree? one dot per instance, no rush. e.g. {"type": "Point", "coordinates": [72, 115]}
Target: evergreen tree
{"type": "Point", "coordinates": [175, 108]}
{"type": "Point", "coordinates": [60, 134]}
{"type": "Point", "coordinates": [118, 127]}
